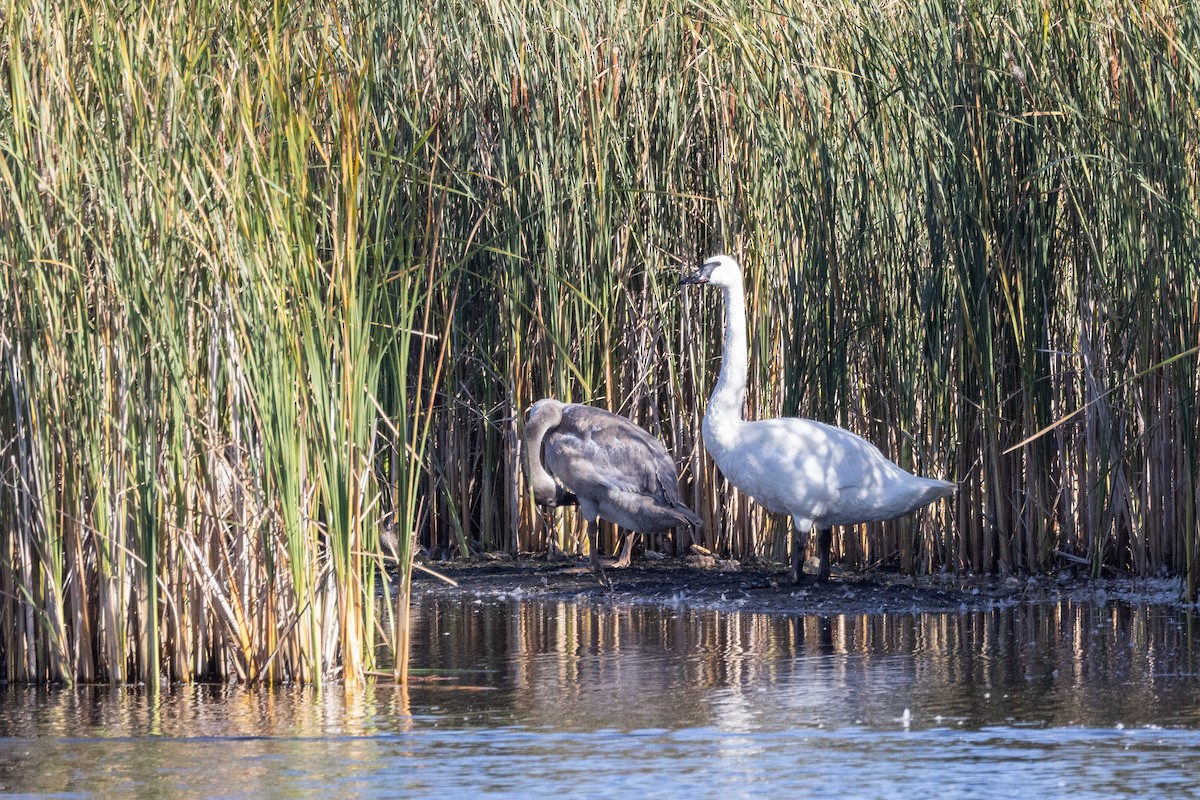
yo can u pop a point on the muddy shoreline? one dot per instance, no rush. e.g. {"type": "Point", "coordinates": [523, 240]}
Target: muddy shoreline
{"type": "Point", "coordinates": [704, 583]}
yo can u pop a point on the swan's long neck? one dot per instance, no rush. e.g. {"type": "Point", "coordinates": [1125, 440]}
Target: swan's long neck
{"type": "Point", "coordinates": [545, 488]}
{"type": "Point", "coordinates": [724, 412]}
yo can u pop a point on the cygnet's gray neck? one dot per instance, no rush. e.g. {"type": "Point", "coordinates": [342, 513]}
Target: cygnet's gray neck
{"type": "Point", "coordinates": [545, 488]}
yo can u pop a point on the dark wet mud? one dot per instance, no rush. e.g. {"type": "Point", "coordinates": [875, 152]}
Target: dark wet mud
{"type": "Point", "coordinates": [708, 583]}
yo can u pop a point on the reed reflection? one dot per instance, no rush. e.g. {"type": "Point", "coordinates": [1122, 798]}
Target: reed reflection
{"type": "Point", "coordinates": [563, 665]}
{"type": "Point", "coordinates": [203, 741]}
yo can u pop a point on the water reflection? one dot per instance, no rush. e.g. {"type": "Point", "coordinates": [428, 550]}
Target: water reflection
{"type": "Point", "coordinates": [1081, 700]}
{"type": "Point", "coordinates": [569, 666]}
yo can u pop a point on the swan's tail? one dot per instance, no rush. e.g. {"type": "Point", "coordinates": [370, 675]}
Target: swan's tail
{"type": "Point", "coordinates": [936, 490]}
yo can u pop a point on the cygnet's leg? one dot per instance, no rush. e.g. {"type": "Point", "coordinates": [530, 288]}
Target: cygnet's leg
{"type": "Point", "coordinates": [553, 551]}
{"type": "Point", "coordinates": [799, 547]}
{"type": "Point", "coordinates": [593, 533]}
{"type": "Point", "coordinates": [824, 544]}
{"type": "Point", "coordinates": [593, 542]}
{"type": "Point", "coordinates": [626, 557]}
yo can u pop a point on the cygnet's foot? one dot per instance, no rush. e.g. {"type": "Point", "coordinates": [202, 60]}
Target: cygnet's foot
{"type": "Point", "coordinates": [598, 571]}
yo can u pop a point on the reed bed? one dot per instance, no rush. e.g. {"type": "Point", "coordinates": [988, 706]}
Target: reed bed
{"type": "Point", "coordinates": [215, 291]}
{"type": "Point", "coordinates": [970, 234]}
{"type": "Point", "coordinates": [277, 284]}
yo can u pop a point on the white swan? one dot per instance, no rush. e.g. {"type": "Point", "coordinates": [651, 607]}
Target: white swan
{"type": "Point", "coordinates": [820, 475]}
{"type": "Point", "coordinates": [606, 464]}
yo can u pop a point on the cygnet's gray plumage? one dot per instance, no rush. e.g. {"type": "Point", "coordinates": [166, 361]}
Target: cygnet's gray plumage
{"type": "Point", "coordinates": [608, 466]}
{"type": "Point", "coordinates": [819, 474]}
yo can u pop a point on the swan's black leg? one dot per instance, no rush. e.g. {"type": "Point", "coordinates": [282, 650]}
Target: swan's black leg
{"type": "Point", "coordinates": [799, 551]}
{"type": "Point", "coordinates": [824, 544]}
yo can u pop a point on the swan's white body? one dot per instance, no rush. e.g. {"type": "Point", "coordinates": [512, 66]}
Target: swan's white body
{"type": "Point", "coordinates": [819, 474]}
{"type": "Point", "coordinates": [606, 464]}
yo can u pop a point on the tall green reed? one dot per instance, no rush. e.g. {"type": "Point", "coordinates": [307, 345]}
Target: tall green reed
{"type": "Point", "coordinates": [277, 280]}
{"type": "Point", "coordinates": [194, 329]}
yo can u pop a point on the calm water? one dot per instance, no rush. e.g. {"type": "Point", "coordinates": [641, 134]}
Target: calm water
{"type": "Point", "coordinates": [545, 699]}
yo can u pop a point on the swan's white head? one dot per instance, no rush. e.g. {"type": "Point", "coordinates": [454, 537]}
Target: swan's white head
{"type": "Point", "coordinates": [720, 271]}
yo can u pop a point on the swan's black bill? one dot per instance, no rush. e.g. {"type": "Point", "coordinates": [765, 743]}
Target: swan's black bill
{"type": "Point", "coordinates": [700, 276]}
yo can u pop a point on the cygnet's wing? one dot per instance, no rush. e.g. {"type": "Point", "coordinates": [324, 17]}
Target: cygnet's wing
{"type": "Point", "coordinates": [596, 447]}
